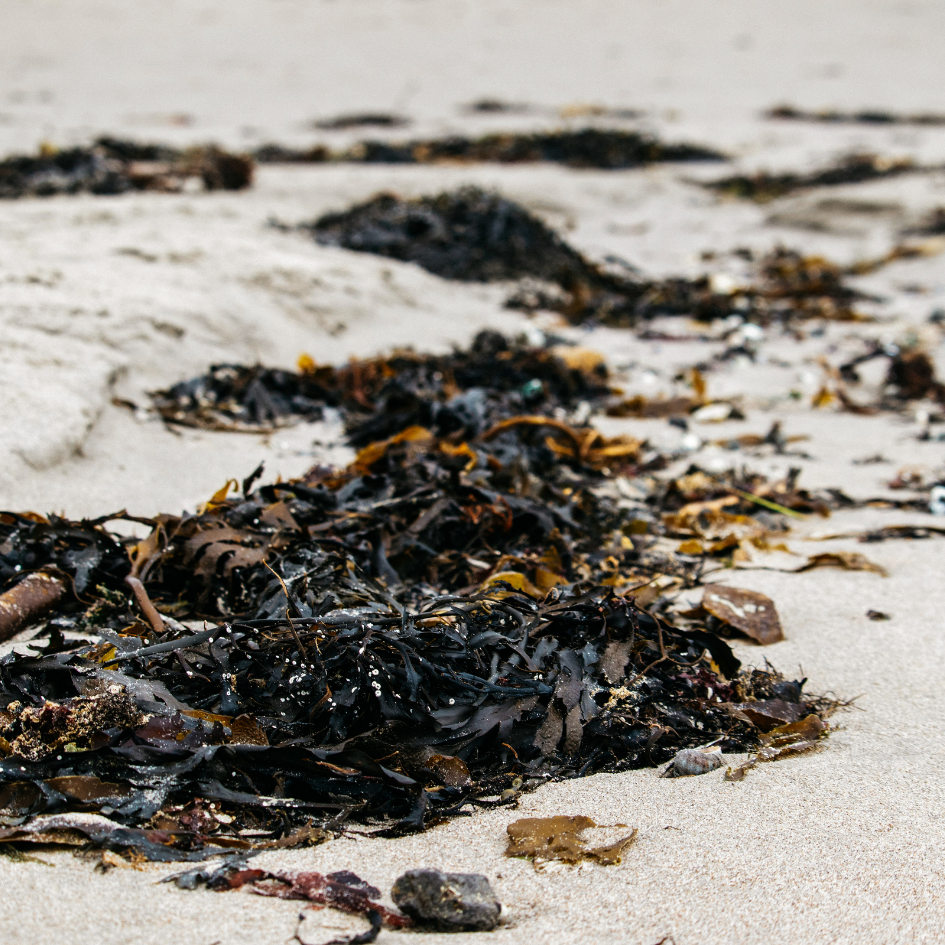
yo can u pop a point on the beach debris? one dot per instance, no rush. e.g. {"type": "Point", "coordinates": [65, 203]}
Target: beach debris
{"type": "Point", "coordinates": [782, 741]}
{"type": "Point", "coordinates": [873, 116]}
{"type": "Point", "coordinates": [73, 725]}
{"type": "Point", "coordinates": [694, 761]}
{"type": "Point", "coordinates": [468, 234]}
{"type": "Point", "coordinates": [749, 612]}
{"type": "Point", "coordinates": [364, 938]}
{"type": "Point", "coordinates": [910, 377]}
{"type": "Point", "coordinates": [477, 236]}
{"type": "Point", "coordinates": [477, 604]}
{"type": "Point", "coordinates": [602, 148]}
{"type": "Point", "coordinates": [469, 390]}
{"type": "Point", "coordinates": [342, 890]}
{"type": "Point", "coordinates": [562, 838]}
{"type": "Point", "coordinates": [764, 186]}
{"type": "Point", "coordinates": [111, 166]}
{"type": "Point", "coordinates": [95, 831]}
{"type": "Point", "coordinates": [496, 106]}
{"type": "Point", "coordinates": [451, 902]}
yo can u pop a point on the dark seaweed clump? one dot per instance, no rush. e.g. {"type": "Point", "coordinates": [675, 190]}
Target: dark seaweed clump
{"type": "Point", "coordinates": [606, 149]}
{"type": "Point", "coordinates": [454, 618]}
{"type": "Point", "coordinates": [478, 236]}
{"type": "Point", "coordinates": [111, 166]}
{"type": "Point", "coordinates": [589, 147]}
{"type": "Point", "coordinates": [466, 389]}
{"type": "Point", "coordinates": [854, 169]}
{"type": "Point", "coordinates": [469, 234]}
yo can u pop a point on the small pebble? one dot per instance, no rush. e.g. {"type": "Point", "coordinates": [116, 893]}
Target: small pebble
{"type": "Point", "coordinates": [454, 902]}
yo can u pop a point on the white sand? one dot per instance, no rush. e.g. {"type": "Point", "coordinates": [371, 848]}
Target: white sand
{"type": "Point", "coordinates": [103, 297]}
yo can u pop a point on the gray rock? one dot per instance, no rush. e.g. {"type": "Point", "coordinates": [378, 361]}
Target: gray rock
{"type": "Point", "coordinates": [454, 902]}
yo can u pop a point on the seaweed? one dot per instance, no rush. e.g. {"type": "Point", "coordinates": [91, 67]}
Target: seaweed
{"type": "Point", "coordinates": [112, 166]}
{"type": "Point", "coordinates": [471, 608]}
{"type": "Point", "coordinates": [476, 236]}
{"type": "Point", "coordinates": [873, 116]}
{"type": "Point", "coordinates": [764, 186]}
{"type": "Point", "coordinates": [464, 390]}
{"type": "Point", "coordinates": [585, 148]}
{"type": "Point", "coordinates": [607, 149]}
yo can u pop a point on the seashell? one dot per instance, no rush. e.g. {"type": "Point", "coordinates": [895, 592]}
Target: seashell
{"type": "Point", "coordinates": [697, 761]}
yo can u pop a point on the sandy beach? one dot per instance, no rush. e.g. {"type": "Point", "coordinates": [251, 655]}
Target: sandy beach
{"type": "Point", "coordinates": [103, 299]}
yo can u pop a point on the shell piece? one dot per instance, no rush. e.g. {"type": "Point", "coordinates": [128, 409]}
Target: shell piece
{"type": "Point", "coordinates": [697, 761]}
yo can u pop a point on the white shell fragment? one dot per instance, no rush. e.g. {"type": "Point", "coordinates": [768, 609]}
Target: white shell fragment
{"type": "Point", "coordinates": [697, 761]}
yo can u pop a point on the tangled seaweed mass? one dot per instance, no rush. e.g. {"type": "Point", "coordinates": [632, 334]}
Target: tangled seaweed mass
{"type": "Point", "coordinates": [112, 166]}
{"type": "Point", "coordinates": [474, 606]}
{"type": "Point", "coordinates": [474, 235]}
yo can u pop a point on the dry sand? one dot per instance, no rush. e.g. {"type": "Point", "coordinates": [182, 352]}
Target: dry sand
{"type": "Point", "coordinates": [110, 297]}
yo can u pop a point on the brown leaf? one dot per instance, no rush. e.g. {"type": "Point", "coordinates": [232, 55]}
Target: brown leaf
{"type": "Point", "coordinates": [747, 611]}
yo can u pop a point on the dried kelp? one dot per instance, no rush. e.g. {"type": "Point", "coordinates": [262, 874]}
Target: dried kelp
{"type": "Point", "coordinates": [365, 708]}
{"type": "Point", "coordinates": [111, 166]}
{"type": "Point", "coordinates": [541, 839]}
{"type": "Point", "coordinates": [795, 737]}
{"type": "Point", "coordinates": [609, 149]}
{"type": "Point", "coordinates": [853, 169]}
{"type": "Point", "coordinates": [476, 236]}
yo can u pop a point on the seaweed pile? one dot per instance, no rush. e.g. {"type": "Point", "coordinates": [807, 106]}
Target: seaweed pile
{"type": "Point", "coordinates": [464, 390]}
{"type": "Point", "coordinates": [477, 236]}
{"type": "Point", "coordinates": [589, 147]}
{"type": "Point", "coordinates": [111, 166]}
{"type": "Point", "coordinates": [605, 149]}
{"type": "Point", "coordinates": [468, 234]}
{"type": "Point", "coordinates": [853, 169]}
{"type": "Point", "coordinates": [455, 618]}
